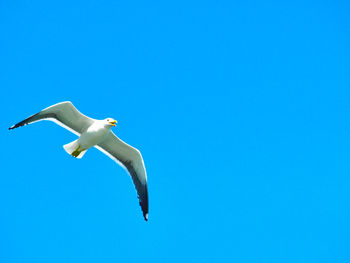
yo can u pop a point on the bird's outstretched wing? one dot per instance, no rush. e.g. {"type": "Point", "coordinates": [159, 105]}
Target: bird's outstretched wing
{"type": "Point", "coordinates": [131, 159]}
{"type": "Point", "coordinates": [64, 114]}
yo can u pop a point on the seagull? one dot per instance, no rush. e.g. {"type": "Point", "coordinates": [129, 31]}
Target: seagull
{"type": "Point", "coordinates": [98, 134]}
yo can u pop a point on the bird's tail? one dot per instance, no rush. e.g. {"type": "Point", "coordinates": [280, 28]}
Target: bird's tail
{"type": "Point", "coordinates": [74, 149]}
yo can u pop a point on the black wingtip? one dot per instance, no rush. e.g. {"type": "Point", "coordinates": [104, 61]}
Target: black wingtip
{"type": "Point", "coordinates": [146, 217]}
{"type": "Point", "coordinates": [24, 122]}
{"type": "Point", "coordinates": [15, 126]}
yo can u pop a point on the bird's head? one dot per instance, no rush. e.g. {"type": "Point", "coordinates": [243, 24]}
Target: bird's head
{"type": "Point", "coordinates": [110, 122]}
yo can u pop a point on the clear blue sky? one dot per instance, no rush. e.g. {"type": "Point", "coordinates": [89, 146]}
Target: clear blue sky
{"type": "Point", "coordinates": [240, 109]}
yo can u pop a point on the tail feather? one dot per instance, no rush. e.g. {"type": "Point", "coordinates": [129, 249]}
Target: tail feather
{"type": "Point", "coordinates": [74, 149]}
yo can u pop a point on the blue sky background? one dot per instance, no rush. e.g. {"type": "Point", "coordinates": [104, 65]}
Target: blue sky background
{"type": "Point", "coordinates": [240, 109]}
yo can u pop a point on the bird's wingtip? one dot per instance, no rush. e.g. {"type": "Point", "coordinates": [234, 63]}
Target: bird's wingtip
{"type": "Point", "coordinates": [146, 216]}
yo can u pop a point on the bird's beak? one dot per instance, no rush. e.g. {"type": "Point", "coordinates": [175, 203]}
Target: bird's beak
{"type": "Point", "coordinates": [113, 123]}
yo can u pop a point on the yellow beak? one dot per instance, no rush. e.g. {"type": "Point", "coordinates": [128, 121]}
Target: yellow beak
{"type": "Point", "coordinates": [113, 123]}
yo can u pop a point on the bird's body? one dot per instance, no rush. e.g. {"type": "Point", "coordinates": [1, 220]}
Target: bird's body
{"type": "Point", "coordinates": [93, 135]}
{"type": "Point", "coordinates": [96, 133]}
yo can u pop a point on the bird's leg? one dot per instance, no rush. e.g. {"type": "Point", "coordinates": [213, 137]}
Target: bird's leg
{"type": "Point", "coordinates": [77, 152]}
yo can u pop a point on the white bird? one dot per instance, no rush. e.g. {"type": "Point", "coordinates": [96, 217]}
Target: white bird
{"type": "Point", "coordinates": [96, 133]}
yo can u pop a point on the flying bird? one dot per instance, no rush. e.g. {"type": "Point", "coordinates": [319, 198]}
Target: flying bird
{"type": "Point", "coordinates": [98, 134]}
